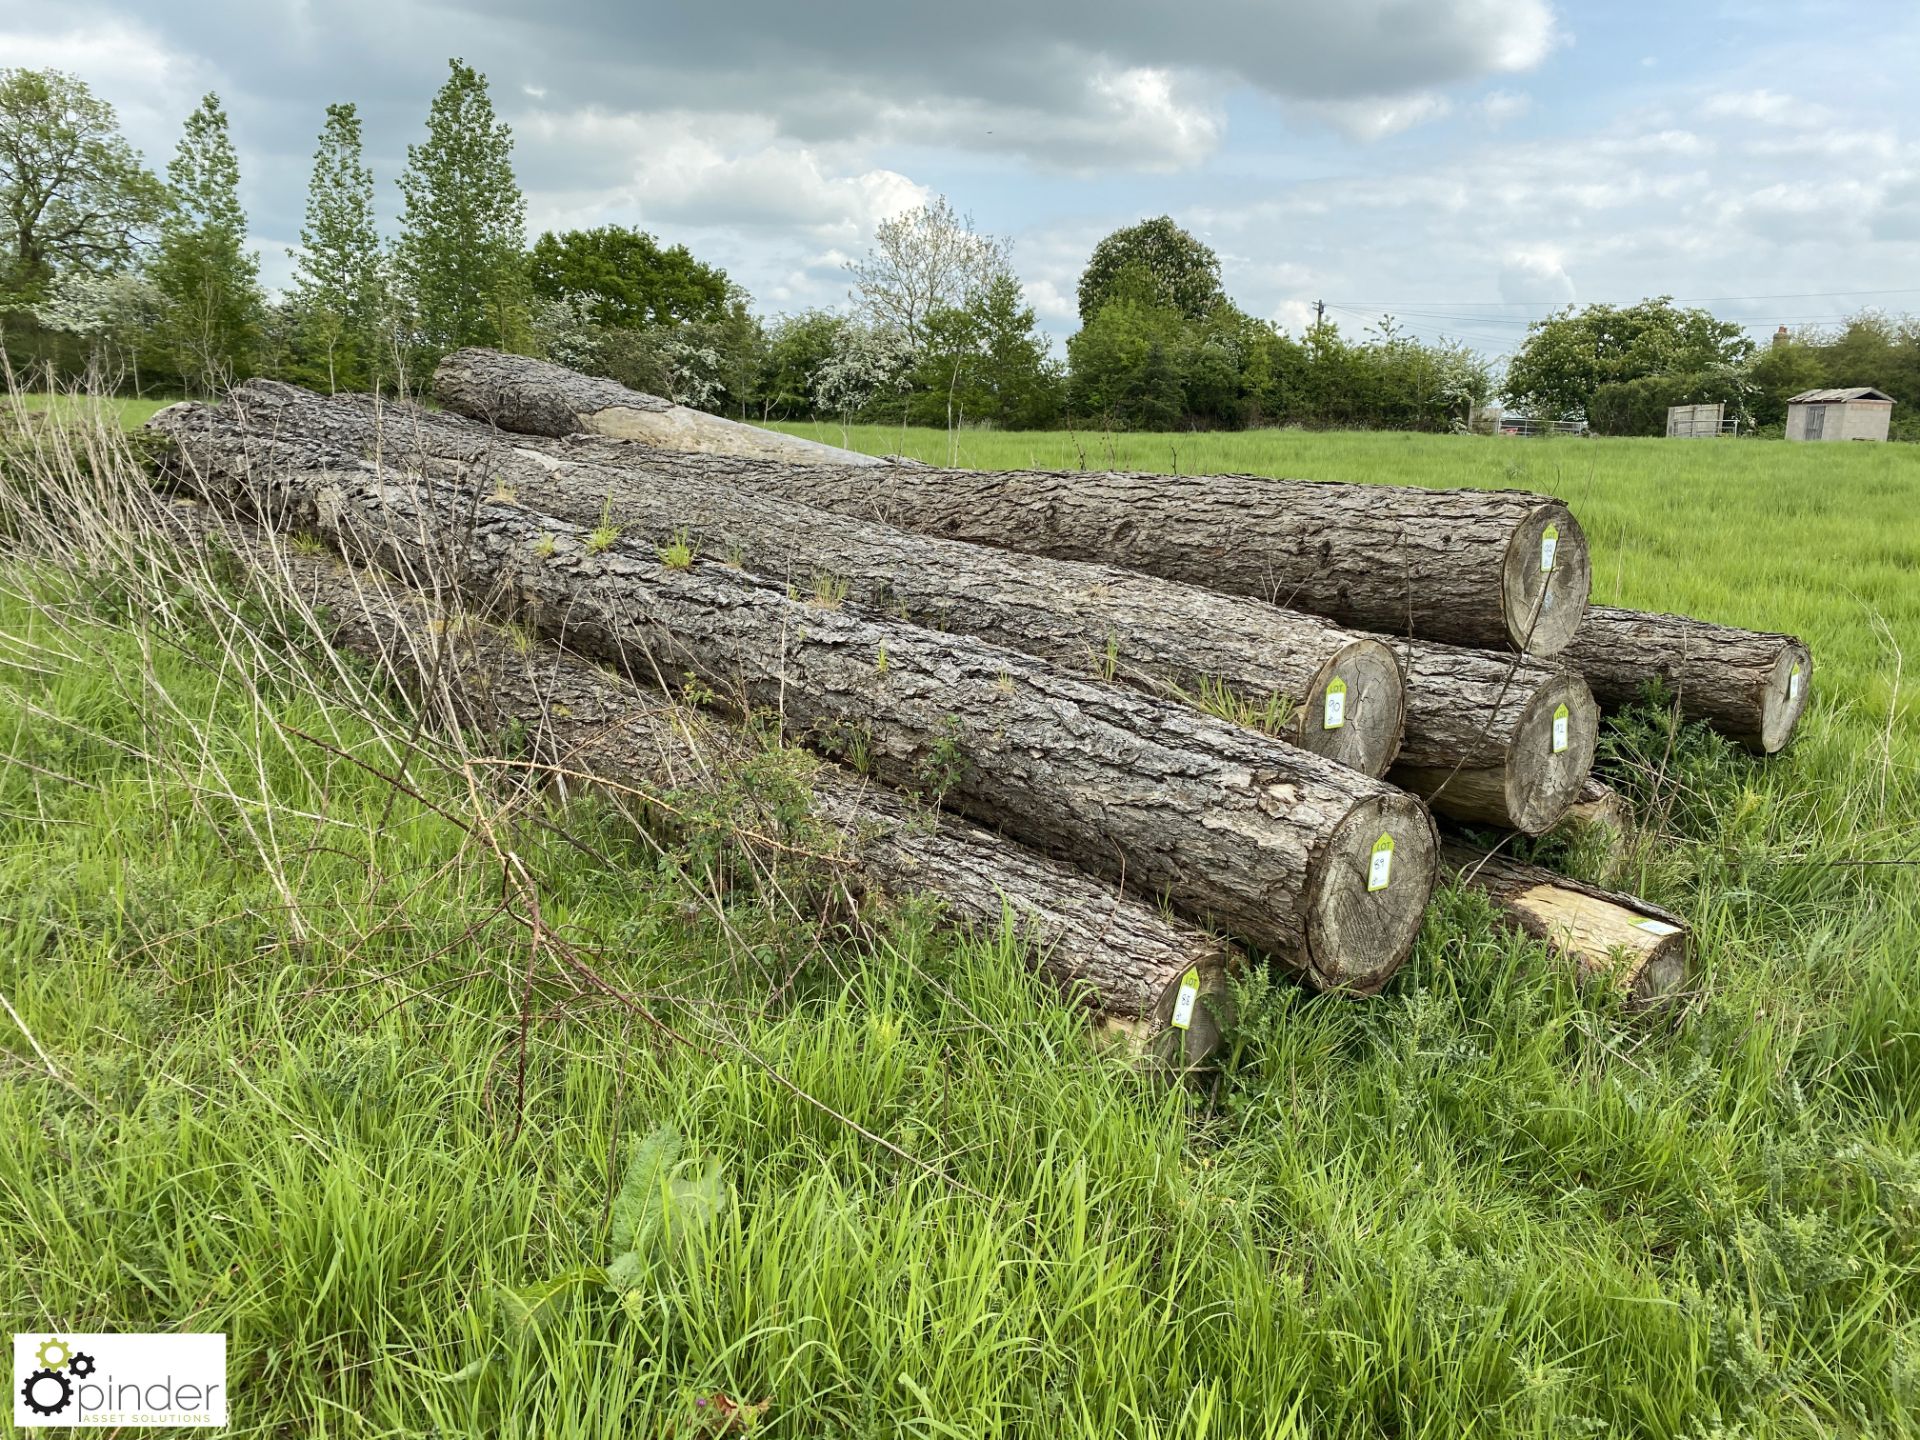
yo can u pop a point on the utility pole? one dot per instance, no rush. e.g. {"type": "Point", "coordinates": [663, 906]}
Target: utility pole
{"type": "Point", "coordinates": [1319, 313]}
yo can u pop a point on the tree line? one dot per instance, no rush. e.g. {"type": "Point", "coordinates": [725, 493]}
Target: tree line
{"type": "Point", "coordinates": [149, 282]}
{"type": "Point", "coordinates": [1619, 367]}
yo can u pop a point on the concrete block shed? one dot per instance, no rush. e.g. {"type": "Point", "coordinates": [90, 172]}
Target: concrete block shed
{"type": "Point", "coordinates": [1858, 412]}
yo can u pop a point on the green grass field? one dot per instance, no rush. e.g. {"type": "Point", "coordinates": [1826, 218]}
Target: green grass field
{"type": "Point", "coordinates": [128, 411]}
{"type": "Point", "coordinates": [274, 1076]}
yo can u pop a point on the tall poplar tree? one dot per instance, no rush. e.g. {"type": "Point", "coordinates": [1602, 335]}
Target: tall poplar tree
{"type": "Point", "coordinates": [209, 282]}
{"type": "Point", "coordinates": [461, 257]}
{"type": "Point", "coordinates": [338, 287]}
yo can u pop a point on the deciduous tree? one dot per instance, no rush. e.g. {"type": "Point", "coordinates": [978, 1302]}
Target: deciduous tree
{"type": "Point", "coordinates": [923, 261]}
{"type": "Point", "coordinates": [624, 279]}
{"type": "Point", "coordinates": [1568, 356]}
{"type": "Point", "coordinates": [73, 193]}
{"type": "Point", "coordinates": [1155, 262]}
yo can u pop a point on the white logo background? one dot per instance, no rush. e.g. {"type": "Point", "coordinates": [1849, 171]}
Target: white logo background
{"type": "Point", "coordinates": [130, 1379]}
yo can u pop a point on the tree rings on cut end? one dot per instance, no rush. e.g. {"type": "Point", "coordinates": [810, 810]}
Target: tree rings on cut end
{"type": "Point", "coordinates": [1545, 581]}
{"type": "Point", "coordinates": [1551, 754]}
{"type": "Point", "coordinates": [1788, 686]}
{"type": "Point", "coordinates": [1367, 890]}
{"type": "Point", "coordinates": [1354, 710]}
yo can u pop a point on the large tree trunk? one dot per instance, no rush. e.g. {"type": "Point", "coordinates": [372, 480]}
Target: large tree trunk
{"type": "Point", "coordinates": [1615, 939]}
{"type": "Point", "coordinates": [1746, 684]}
{"type": "Point", "coordinates": [1328, 690]}
{"type": "Point", "coordinates": [517, 392]}
{"type": "Point", "coordinates": [1326, 869]}
{"type": "Point", "coordinates": [1494, 739]}
{"type": "Point", "coordinates": [1496, 570]}
{"type": "Point", "coordinates": [1118, 955]}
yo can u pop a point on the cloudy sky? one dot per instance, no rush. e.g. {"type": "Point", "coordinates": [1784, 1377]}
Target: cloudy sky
{"type": "Point", "coordinates": [1462, 163]}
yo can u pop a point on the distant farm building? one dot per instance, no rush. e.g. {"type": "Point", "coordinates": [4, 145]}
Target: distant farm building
{"type": "Point", "coordinates": [1698, 422]}
{"type": "Point", "coordinates": [1859, 412]}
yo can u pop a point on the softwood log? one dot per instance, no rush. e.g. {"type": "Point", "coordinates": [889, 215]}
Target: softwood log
{"type": "Point", "coordinates": [1325, 869]}
{"type": "Point", "coordinates": [1494, 739]}
{"type": "Point", "coordinates": [1119, 956]}
{"type": "Point", "coordinates": [1619, 940]}
{"type": "Point", "coordinates": [1328, 690]}
{"type": "Point", "coordinates": [534, 397]}
{"type": "Point", "coordinates": [1495, 570]}
{"type": "Point", "coordinates": [1747, 684]}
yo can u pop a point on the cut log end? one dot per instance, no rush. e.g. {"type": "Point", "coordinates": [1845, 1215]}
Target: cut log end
{"type": "Point", "coordinates": [1356, 708]}
{"type": "Point", "coordinates": [1528, 783]}
{"type": "Point", "coordinates": [1545, 581]}
{"type": "Point", "coordinates": [1552, 755]}
{"type": "Point", "coordinates": [1158, 1040]}
{"type": "Point", "coordinates": [1367, 891]}
{"type": "Point", "coordinates": [1638, 949]}
{"type": "Point", "coordinates": [1662, 975]}
{"type": "Point", "coordinates": [1788, 686]}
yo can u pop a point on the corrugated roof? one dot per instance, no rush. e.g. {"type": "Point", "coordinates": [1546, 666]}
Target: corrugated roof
{"type": "Point", "coordinates": [1827, 397]}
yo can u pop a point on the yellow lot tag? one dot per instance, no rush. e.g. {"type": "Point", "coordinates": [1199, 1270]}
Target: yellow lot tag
{"type": "Point", "coordinates": [1793, 684]}
{"type": "Point", "coordinates": [1380, 867]}
{"type": "Point", "coordinates": [1184, 1002]}
{"type": "Point", "coordinates": [1336, 710]}
{"type": "Point", "coordinates": [1549, 542]}
{"type": "Point", "coordinates": [1559, 728]}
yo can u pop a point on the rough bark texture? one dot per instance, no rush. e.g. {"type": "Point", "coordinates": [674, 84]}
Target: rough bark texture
{"type": "Point", "coordinates": [1480, 737]}
{"type": "Point", "coordinates": [1459, 566]}
{"type": "Point", "coordinates": [1619, 940]}
{"type": "Point", "coordinates": [1171, 639]}
{"type": "Point", "coordinates": [1264, 839]}
{"type": "Point", "coordinates": [1746, 684]}
{"type": "Point", "coordinates": [1118, 955]}
{"type": "Point", "coordinates": [534, 397]}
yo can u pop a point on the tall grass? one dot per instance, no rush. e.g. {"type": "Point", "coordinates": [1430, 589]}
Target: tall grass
{"type": "Point", "coordinates": [267, 1073]}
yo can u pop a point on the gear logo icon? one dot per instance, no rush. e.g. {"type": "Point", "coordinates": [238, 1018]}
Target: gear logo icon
{"type": "Point", "coordinates": [47, 1392]}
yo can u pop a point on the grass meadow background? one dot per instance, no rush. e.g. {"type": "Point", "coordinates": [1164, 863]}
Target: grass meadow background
{"type": "Point", "coordinates": [278, 1013]}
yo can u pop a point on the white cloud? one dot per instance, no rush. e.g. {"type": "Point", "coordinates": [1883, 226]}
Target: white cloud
{"type": "Point", "coordinates": [1764, 107]}
{"type": "Point", "coordinates": [732, 170]}
{"type": "Point", "coordinates": [1050, 302]}
{"type": "Point", "coordinates": [1377, 118]}
{"type": "Point", "coordinates": [1497, 107]}
{"type": "Point", "coordinates": [1537, 276]}
{"type": "Point", "coordinates": [153, 84]}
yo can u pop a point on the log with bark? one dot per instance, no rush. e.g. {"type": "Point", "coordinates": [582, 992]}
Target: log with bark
{"type": "Point", "coordinates": [534, 397]}
{"type": "Point", "coordinates": [1332, 691]}
{"type": "Point", "coordinates": [1615, 939]}
{"type": "Point", "coordinates": [1494, 739]}
{"type": "Point", "coordinates": [1325, 869]}
{"type": "Point", "coordinates": [1747, 684]}
{"type": "Point", "coordinates": [1480, 731]}
{"type": "Point", "coordinates": [1490, 569]}
{"type": "Point", "coordinates": [1120, 957]}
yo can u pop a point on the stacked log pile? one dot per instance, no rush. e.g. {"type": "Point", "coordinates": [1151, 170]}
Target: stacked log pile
{"type": "Point", "coordinates": [1164, 693]}
{"type": "Point", "coordinates": [1120, 956]}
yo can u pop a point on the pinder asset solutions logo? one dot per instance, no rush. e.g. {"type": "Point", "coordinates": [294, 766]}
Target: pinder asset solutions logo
{"type": "Point", "coordinates": [130, 1379]}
